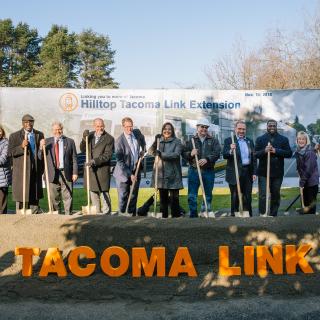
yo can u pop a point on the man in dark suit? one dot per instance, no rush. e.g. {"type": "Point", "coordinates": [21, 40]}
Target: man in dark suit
{"type": "Point", "coordinates": [101, 145]}
{"type": "Point", "coordinates": [61, 156]}
{"type": "Point", "coordinates": [30, 138]}
{"type": "Point", "coordinates": [279, 149]}
{"type": "Point", "coordinates": [247, 166]}
{"type": "Point", "coordinates": [129, 147]}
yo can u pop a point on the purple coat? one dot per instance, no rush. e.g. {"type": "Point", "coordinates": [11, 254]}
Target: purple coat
{"type": "Point", "coordinates": [307, 167]}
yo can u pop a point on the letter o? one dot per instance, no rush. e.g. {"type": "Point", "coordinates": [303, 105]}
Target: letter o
{"type": "Point", "coordinates": [106, 266]}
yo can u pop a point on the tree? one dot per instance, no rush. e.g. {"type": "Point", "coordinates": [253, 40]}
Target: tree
{"type": "Point", "coordinates": [59, 60]}
{"type": "Point", "coordinates": [6, 43]}
{"type": "Point", "coordinates": [95, 60]}
{"type": "Point", "coordinates": [19, 53]}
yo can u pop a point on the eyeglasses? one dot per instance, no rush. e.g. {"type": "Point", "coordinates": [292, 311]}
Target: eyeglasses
{"type": "Point", "coordinates": [204, 127]}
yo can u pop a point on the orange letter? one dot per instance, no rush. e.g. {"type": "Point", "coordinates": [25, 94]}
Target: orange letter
{"type": "Point", "coordinates": [274, 261]}
{"type": "Point", "coordinates": [106, 265]}
{"type": "Point", "coordinates": [249, 260]}
{"type": "Point", "coordinates": [294, 257]}
{"type": "Point", "coordinates": [182, 255]}
{"type": "Point", "coordinates": [73, 261]}
{"type": "Point", "coordinates": [27, 254]}
{"type": "Point", "coordinates": [53, 263]}
{"type": "Point", "coordinates": [224, 269]}
{"type": "Point", "coordinates": [140, 259]}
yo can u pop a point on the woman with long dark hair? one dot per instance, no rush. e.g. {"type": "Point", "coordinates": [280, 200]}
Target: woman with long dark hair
{"type": "Point", "coordinates": [169, 170]}
{"type": "Point", "coordinates": [5, 173]}
{"type": "Point", "coordinates": [307, 167]}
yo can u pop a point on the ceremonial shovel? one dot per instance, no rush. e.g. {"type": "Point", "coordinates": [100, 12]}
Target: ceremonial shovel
{"type": "Point", "coordinates": [267, 185]}
{"type": "Point", "coordinates": [88, 209]}
{"type": "Point", "coordinates": [241, 213]}
{"type": "Point", "coordinates": [156, 163]}
{"type": "Point", "coordinates": [24, 182]}
{"type": "Point", "coordinates": [133, 183]}
{"type": "Point", "coordinates": [201, 182]}
{"type": "Point", "coordinates": [47, 181]}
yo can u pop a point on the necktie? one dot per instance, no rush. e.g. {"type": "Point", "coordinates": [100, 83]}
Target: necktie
{"type": "Point", "coordinates": [56, 154]}
{"type": "Point", "coordinates": [133, 151]}
{"type": "Point", "coordinates": [31, 142]}
{"type": "Point", "coordinates": [97, 139]}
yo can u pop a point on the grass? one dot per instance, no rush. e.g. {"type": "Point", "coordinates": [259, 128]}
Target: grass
{"type": "Point", "coordinates": [221, 198]}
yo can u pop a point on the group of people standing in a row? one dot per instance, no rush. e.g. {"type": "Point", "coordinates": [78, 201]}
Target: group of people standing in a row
{"type": "Point", "coordinates": [201, 150]}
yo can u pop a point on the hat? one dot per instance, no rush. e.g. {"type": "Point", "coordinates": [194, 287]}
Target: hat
{"type": "Point", "coordinates": [203, 122]}
{"type": "Point", "coordinates": [27, 117]}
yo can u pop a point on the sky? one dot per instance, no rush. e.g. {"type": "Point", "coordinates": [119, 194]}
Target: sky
{"type": "Point", "coordinates": [165, 43]}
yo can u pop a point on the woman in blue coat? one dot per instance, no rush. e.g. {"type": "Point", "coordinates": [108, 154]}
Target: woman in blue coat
{"type": "Point", "coordinates": [307, 167]}
{"type": "Point", "coordinates": [5, 173]}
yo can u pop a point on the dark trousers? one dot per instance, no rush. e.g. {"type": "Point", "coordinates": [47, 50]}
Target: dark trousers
{"type": "Point", "coordinates": [275, 185]}
{"type": "Point", "coordinates": [123, 189]}
{"type": "Point", "coordinates": [169, 196]}
{"type": "Point", "coordinates": [310, 198]}
{"type": "Point", "coordinates": [61, 187]}
{"type": "Point", "coordinates": [246, 190]}
{"type": "Point", "coordinates": [3, 199]}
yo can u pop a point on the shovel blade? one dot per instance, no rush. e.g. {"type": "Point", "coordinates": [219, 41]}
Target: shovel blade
{"type": "Point", "coordinates": [242, 214]}
{"type": "Point", "coordinates": [157, 215]}
{"type": "Point", "coordinates": [24, 211]}
{"type": "Point", "coordinates": [52, 212]}
{"type": "Point", "coordinates": [91, 210]}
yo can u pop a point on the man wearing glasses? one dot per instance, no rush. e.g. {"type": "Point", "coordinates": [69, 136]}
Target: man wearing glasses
{"type": "Point", "coordinates": [30, 138]}
{"type": "Point", "coordinates": [208, 150]}
{"type": "Point", "coordinates": [279, 149]}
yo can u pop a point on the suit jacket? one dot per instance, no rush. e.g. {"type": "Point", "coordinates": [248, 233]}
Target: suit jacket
{"type": "Point", "coordinates": [124, 168]}
{"type": "Point", "coordinates": [281, 144]}
{"type": "Point", "coordinates": [101, 153]}
{"type": "Point", "coordinates": [35, 177]}
{"type": "Point", "coordinates": [69, 158]}
{"type": "Point", "coordinates": [230, 171]}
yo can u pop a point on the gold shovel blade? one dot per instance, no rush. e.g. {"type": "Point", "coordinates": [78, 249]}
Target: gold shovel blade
{"type": "Point", "coordinates": [243, 214]}
{"type": "Point", "coordinates": [52, 212]}
{"type": "Point", "coordinates": [91, 210]}
{"type": "Point", "coordinates": [157, 215]}
{"type": "Point", "coordinates": [24, 211]}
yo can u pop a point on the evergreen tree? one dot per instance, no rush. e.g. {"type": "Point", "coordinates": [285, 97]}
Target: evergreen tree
{"type": "Point", "coordinates": [59, 59]}
{"type": "Point", "coordinates": [96, 60]}
{"type": "Point", "coordinates": [6, 44]}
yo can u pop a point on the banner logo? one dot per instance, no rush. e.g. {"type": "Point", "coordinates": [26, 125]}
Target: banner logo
{"type": "Point", "coordinates": [68, 102]}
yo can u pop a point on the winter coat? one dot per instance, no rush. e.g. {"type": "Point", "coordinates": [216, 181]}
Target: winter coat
{"type": "Point", "coordinates": [210, 150]}
{"type": "Point", "coordinates": [5, 172]}
{"type": "Point", "coordinates": [169, 166]}
{"type": "Point", "coordinates": [33, 177]}
{"type": "Point", "coordinates": [307, 167]}
{"type": "Point", "coordinates": [101, 153]}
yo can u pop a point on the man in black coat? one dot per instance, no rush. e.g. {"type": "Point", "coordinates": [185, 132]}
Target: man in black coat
{"type": "Point", "coordinates": [30, 138]}
{"type": "Point", "coordinates": [279, 149]}
{"type": "Point", "coordinates": [247, 166]}
{"type": "Point", "coordinates": [101, 146]}
{"type": "Point", "coordinates": [61, 156]}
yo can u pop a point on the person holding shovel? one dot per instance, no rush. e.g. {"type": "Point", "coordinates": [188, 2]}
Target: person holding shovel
{"type": "Point", "coordinates": [28, 138]}
{"type": "Point", "coordinates": [307, 167]}
{"type": "Point", "coordinates": [129, 147]}
{"type": "Point", "coordinates": [278, 148]}
{"type": "Point", "coordinates": [247, 167]}
{"type": "Point", "coordinates": [100, 148]}
{"type": "Point", "coordinates": [61, 156]}
{"type": "Point", "coordinates": [169, 178]}
{"type": "Point", "coordinates": [207, 149]}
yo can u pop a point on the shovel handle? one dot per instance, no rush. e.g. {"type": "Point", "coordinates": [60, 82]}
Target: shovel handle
{"type": "Point", "coordinates": [268, 181]}
{"type": "Point", "coordinates": [237, 176]}
{"type": "Point", "coordinates": [133, 183]}
{"type": "Point", "coordinates": [87, 171]}
{"type": "Point", "coordinates": [200, 178]}
{"type": "Point", "coordinates": [24, 182]}
{"type": "Point", "coordinates": [47, 176]}
{"type": "Point", "coordinates": [156, 179]}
